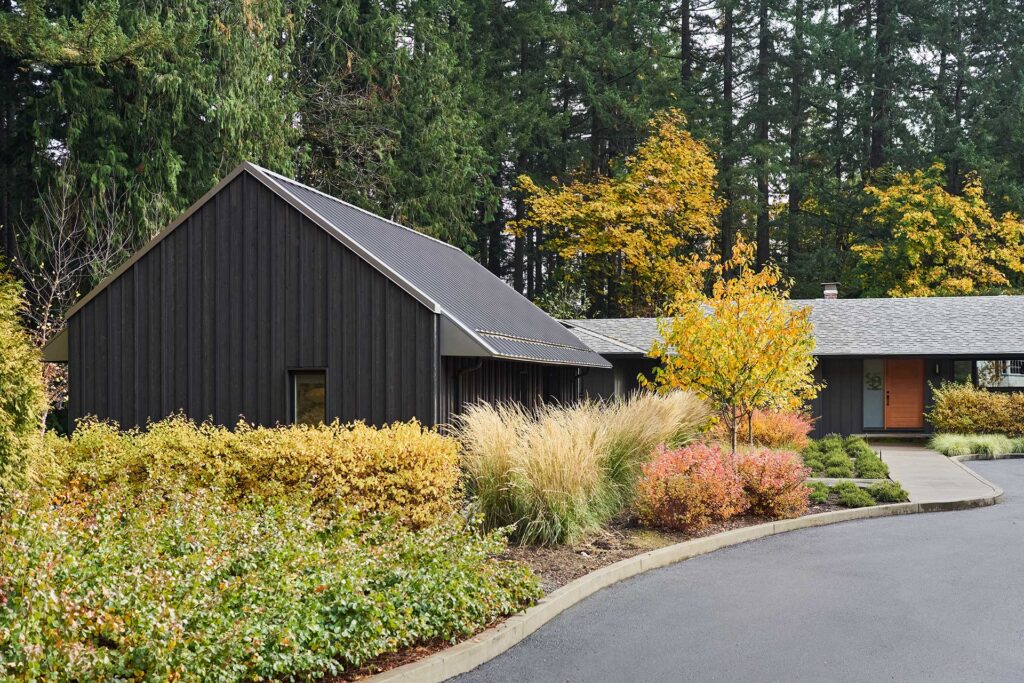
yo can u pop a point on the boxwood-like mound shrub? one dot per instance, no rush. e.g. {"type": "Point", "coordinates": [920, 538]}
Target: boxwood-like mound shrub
{"type": "Point", "coordinates": [888, 492]}
{"type": "Point", "coordinates": [852, 496]}
{"type": "Point", "coordinates": [818, 492]}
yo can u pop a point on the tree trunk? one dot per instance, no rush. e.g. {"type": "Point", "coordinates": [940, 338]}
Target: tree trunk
{"type": "Point", "coordinates": [763, 109]}
{"type": "Point", "coordinates": [685, 45]}
{"type": "Point", "coordinates": [796, 124]}
{"type": "Point", "coordinates": [728, 215]}
{"type": "Point", "coordinates": [734, 426]}
{"type": "Point", "coordinates": [8, 87]}
{"type": "Point", "coordinates": [881, 97]}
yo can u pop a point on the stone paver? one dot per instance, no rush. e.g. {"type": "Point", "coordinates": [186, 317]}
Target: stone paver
{"type": "Point", "coordinates": [929, 476]}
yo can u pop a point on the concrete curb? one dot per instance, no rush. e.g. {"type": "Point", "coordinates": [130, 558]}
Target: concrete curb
{"type": "Point", "coordinates": [984, 456]}
{"type": "Point", "coordinates": [487, 645]}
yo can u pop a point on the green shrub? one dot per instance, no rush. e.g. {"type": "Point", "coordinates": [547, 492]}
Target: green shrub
{"type": "Point", "coordinates": [1018, 445]}
{"type": "Point", "coordinates": [563, 470]}
{"type": "Point", "coordinates": [184, 585]}
{"type": "Point", "coordinates": [856, 446]}
{"type": "Point", "coordinates": [966, 409]}
{"type": "Point", "coordinates": [852, 496]}
{"type": "Point", "coordinates": [402, 470]}
{"type": "Point", "coordinates": [837, 463]}
{"type": "Point", "coordinates": [888, 492]}
{"type": "Point", "coordinates": [22, 393]}
{"type": "Point", "coordinates": [871, 467]}
{"type": "Point", "coordinates": [818, 492]}
{"type": "Point", "coordinates": [831, 442]}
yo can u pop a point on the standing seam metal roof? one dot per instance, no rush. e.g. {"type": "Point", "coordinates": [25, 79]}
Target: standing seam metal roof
{"type": "Point", "coordinates": [466, 292]}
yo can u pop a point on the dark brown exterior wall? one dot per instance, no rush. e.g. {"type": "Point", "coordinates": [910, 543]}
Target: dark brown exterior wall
{"type": "Point", "coordinates": [471, 380]}
{"type": "Point", "coordinates": [840, 405]}
{"type": "Point", "coordinates": [212, 320]}
{"type": "Point", "coordinates": [620, 380]}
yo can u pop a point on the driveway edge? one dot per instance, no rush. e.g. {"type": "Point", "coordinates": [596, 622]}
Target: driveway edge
{"type": "Point", "coordinates": [487, 645]}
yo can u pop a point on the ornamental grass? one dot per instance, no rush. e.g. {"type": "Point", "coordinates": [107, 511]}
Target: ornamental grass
{"type": "Point", "coordinates": [560, 471]}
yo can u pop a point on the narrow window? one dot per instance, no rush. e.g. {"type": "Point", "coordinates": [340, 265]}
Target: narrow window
{"type": "Point", "coordinates": [874, 384]}
{"type": "Point", "coordinates": [963, 371]}
{"type": "Point", "coordinates": [309, 398]}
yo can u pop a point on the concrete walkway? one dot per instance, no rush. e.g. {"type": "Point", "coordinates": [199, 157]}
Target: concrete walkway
{"type": "Point", "coordinates": [931, 477]}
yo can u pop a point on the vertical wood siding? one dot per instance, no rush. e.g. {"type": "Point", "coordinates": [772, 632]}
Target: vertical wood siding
{"type": "Point", "coordinates": [212, 319]}
{"type": "Point", "coordinates": [495, 381]}
{"type": "Point", "coordinates": [839, 408]}
{"type": "Point", "coordinates": [620, 380]}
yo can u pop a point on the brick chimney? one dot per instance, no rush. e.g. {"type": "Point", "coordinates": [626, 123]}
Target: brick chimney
{"type": "Point", "coordinates": [830, 290]}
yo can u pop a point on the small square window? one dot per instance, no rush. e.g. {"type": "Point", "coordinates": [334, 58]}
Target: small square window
{"type": "Point", "coordinates": [309, 399]}
{"type": "Point", "coordinates": [963, 371]}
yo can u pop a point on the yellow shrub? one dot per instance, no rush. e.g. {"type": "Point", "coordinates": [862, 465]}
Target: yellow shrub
{"type": "Point", "coordinates": [401, 469]}
{"type": "Point", "coordinates": [964, 409]}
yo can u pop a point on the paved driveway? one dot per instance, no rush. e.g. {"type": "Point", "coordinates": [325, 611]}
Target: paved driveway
{"type": "Point", "coordinates": [930, 597]}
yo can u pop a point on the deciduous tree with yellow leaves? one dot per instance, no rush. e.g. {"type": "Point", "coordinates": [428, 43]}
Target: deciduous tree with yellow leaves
{"type": "Point", "coordinates": [933, 243]}
{"type": "Point", "coordinates": [742, 348]}
{"type": "Point", "coordinates": [632, 241]}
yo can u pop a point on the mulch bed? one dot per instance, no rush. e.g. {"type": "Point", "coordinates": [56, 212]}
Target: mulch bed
{"type": "Point", "coordinates": [558, 565]}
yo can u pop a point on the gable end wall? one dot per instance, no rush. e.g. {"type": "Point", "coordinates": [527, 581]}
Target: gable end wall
{"type": "Point", "coordinates": [214, 317]}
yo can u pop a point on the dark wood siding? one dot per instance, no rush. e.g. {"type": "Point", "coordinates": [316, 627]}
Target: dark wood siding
{"type": "Point", "coordinates": [621, 379]}
{"type": "Point", "coordinates": [212, 320]}
{"type": "Point", "coordinates": [470, 380]}
{"type": "Point", "coordinates": [839, 406]}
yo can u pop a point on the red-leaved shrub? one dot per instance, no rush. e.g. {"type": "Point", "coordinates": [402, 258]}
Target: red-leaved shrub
{"type": "Point", "coordinates": [772, 429]}
{"type": "Point", "coordinates": [687, 489]}
{"type": "Point", "coordinates": [774, 483]}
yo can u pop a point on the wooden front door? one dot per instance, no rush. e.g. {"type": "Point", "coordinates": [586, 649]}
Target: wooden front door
{"type": "Point", "coordinates": [904, 393]}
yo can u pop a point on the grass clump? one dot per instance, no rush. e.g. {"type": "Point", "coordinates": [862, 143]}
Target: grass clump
{"type": "Point", "coordinates": [975, 444]}
{"type": "Point", "coordinates": [561, 471]}
{"type": "Point", "coordinates": [888, 492]}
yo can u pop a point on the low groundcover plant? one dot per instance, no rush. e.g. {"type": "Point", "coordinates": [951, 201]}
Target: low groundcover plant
{"type": "Point", "coordinates": [185, 585]}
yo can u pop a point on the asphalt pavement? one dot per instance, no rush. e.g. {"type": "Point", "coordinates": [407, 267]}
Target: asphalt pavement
{"type": "Point", "coordinates": [927, 597]}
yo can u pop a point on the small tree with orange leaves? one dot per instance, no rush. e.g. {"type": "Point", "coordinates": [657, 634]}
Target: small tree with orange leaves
{"type": "Point", "coordinates": [743, 348]}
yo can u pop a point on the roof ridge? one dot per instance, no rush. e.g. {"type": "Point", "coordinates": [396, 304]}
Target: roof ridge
{"type": "Point", "coordinates": [606, 337]}
{"type": "Point", "coordinates": [350, 205]}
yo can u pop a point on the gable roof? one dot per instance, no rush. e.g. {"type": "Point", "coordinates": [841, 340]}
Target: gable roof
{"type": "Point", "coordinates": [485, 316]}
{"type": "Point", "coordinates": [976, 326]}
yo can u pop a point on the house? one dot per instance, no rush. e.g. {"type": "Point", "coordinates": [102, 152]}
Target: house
{"type": "Point", "coordinates": [272, 301]}
{"type": "Point", "coordinates": [878, 358]}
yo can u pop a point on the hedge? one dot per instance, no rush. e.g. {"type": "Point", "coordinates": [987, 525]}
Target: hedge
{"type": "Point", "coordinates": [402, 470]}
{"type": "Point", "coordinates": [966, 409]}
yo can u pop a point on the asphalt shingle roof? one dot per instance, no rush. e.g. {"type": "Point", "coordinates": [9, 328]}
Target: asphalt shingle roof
{"type": "Point", "coordinates": [976, 326]}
